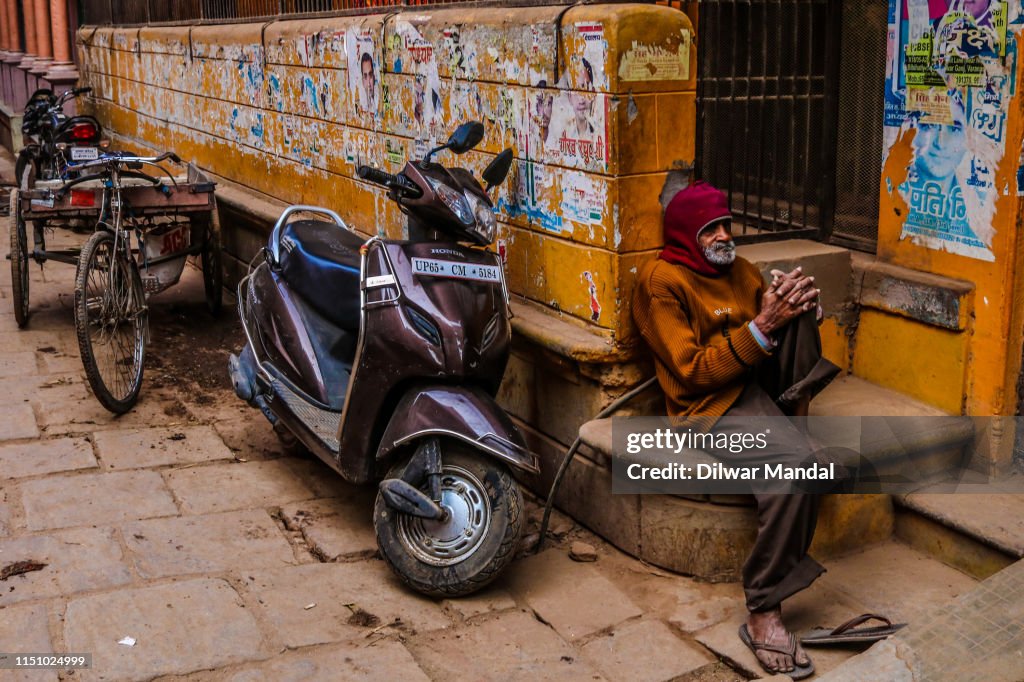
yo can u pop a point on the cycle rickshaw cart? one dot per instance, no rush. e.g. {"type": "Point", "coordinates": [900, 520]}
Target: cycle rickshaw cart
{"type": "Point", "coordinates": [170, 219]}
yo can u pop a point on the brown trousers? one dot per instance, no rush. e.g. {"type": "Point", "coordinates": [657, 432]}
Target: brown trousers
{"type": "Point", "coordinates": [778, 565]}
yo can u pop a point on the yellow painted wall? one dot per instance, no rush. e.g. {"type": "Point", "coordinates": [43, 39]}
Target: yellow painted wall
{"type": "Point", "coordinates": [278, 108]}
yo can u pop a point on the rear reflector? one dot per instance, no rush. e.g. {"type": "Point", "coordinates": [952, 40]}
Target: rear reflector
{"type": "Point", "coordinates": [83, 197]}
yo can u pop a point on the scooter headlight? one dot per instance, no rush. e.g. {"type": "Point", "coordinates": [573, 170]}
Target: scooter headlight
{"type": "Point", "coordinates": [454, 200]}
{"type": "Point", "coordinates": [486, 222]}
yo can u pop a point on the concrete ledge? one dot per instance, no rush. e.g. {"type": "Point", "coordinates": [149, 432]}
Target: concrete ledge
{"type": "Point", "coordinates": [829, 265]}
{"type": "Point", "coordinates": [709, 536]}
{"type": "Point", "coordinates": [924, 297]}
{"type": "Point", "coordinates": [10, 129]}
{"type": "Point", "coordinates": [995, 520]}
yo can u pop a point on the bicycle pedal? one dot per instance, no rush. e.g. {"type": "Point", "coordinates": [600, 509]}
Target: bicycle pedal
{"type": "Point", "coordinates": [151, 285]}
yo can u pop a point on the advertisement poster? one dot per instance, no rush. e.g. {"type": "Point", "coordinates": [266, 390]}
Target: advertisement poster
{"type": "Point", "coordinates": [363, 71]}
{"type": "Point", "coordinates": [949, 79]}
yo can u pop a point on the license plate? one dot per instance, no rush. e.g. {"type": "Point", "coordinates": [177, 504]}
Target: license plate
{"type": "Point", "coordinates": [428, 267]}
{"type": "Point", "coordinates": [84, 153]}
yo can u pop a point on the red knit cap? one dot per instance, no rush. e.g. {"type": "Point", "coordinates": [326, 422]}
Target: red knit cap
{"type": "Point", "coordinates": [691, 210]}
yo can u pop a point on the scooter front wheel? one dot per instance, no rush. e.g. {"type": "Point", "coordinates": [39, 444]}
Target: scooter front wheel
{"type": "Point", "coordinates": [472, 545]}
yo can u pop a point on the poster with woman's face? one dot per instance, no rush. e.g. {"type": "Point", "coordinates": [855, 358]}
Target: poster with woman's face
{"type": "Point", "coordinates": [948, 87]}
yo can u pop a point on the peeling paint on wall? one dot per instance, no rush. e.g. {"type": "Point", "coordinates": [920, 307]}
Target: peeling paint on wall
{"type": "Point", "coordinates": [291, 109]}
{"type": "Point", "coordinates": [950, 78]}
{"type": "Point", "coordinates": [642, 62]}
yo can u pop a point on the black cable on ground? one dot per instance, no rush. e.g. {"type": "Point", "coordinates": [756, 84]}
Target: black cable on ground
{"type": "Point", "coordinates": [619, 402]}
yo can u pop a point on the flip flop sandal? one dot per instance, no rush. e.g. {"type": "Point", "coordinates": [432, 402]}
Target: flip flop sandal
{"type": "Point", "coordinates": [797, 673]}
{"type": "Point", "coordinates": [848, 632]}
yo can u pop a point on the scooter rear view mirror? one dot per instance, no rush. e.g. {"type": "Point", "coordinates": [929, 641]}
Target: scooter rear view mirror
{"type": "Point", "coordinates": [465, 137]}
{"type": "Point", "coordinates": [497, 170]}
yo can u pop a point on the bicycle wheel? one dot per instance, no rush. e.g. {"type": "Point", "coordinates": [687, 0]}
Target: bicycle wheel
{"type": "Point", "coordinates": [19, 261]}
{"type": "Point", "coordinates": [213, 273]}
{"type": "Point", "coordinates": [110, 320]}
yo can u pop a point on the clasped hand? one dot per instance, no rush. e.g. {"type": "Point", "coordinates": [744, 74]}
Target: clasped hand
{"type": "Point", "coordinates": [790, 295]}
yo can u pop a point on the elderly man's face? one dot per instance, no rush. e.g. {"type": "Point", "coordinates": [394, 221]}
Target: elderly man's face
{"type": "Point", "coordinates": [717, 244]}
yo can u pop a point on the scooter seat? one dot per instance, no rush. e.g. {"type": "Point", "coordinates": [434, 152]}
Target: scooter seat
{"type": "Point", "coordinates": [320, 262]}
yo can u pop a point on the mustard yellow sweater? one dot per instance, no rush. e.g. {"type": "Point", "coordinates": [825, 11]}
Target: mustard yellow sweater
{"type": "Point", "coordinates": [697, 328]}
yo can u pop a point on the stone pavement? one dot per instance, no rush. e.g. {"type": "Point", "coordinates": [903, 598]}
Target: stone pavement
{"type": "Point", "coordinates": [185, 526]}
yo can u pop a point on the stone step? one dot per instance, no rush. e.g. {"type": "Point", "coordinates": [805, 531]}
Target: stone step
{"type": "Point", "coordinates": [979, 533]}
{"type": "Point", "coordinates": [708, 535]}
{"type": "Point", "coordinates": [890, 579]}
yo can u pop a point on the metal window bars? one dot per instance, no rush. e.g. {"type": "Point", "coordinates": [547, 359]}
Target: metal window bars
{"type": "Point", "coordinates": [771, 131]}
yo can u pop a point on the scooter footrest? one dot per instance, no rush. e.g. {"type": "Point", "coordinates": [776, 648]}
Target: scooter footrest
{"type": "Point", "coordinates": [323, 423]}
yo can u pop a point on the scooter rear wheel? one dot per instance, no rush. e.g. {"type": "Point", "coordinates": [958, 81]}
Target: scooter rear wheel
{"type": "Point", "coordinates": [470, 549]}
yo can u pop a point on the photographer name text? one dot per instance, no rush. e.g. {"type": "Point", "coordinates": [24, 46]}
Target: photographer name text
{"type": "Point", "coordinates": [725, 472]}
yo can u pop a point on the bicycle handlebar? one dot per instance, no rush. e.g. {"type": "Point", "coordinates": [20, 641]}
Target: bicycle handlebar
{"type": "Point", "coordinates": [120, 159]}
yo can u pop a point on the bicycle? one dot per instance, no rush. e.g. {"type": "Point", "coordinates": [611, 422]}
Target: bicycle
{"type": "Point", "coordinates": [170, 220]}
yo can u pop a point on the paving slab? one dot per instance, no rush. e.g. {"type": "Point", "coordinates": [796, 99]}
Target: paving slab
{"type": "Point", "coordinates": [42, 390]}
{"type": "Point", "coordinates": [514, 647]}
{"type": "Point", "coordinates": [324, 481]}
{"type": "Point", "coordinates": [5, 518]}
{"type": "Point", "coordinates": [17, 363]}
{"type": "Point", "coordinates": [723, 640]}
{"type": "Point", "coordinates": [491, 599]}
{"type": "Point", "coordinates": [646, 651]}
{"type": "Point", "coordinates": [76, 561]}
{"type": "Point", "coordinates": [377, 659]}
{"type": "Point", "coordinates": [212, 543]}
{"type": "Point", "coordinates": [895, 580]}
{"type": "Point", "coordinates": [94, 499]}
{"type": "Point", "coordinates": [890, 660]}
{"type": "Point", "coordinates": [336, 528]}
{"type": "Point", "coordinates": [250, 436]}
{"type": "Point", "coordinates": [238, 485]}
{"type": "Point", "coordinates": [137, 448]}
{"type": "Point", "coordinates": [574, 598]}
{"type": "Point", "coordinates": [20, 460]}
{"type": "Point", "coordinates": [32, 340]}
{"type": "Point", "coordinates": [19, 422]}
{"type": "Point", "coordinates": [23, 630]}
{"type": "Point", "coordinates": [59, 361]}
{"type": "Point", "coordinates": [351, 599]}
{"type": "Point", "coordinates": [179, 628]}
{"type": "Point", "coordinates": [73, 416]}
{"type": "Point", "coordinates": [704, 613]}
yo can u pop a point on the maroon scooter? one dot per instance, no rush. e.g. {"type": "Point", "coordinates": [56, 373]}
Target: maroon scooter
{"type": "Point", "coordinates": [383, 357]}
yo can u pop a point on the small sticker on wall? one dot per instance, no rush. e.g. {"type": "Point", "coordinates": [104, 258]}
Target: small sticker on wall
{"type": "Point", "coordinates": [503, 251]}
{"type": "Point", "coordinates": [595, 305]}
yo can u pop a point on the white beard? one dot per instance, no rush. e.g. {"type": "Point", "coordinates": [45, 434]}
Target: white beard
{"type": "Point", "coordinates": [721, 253]}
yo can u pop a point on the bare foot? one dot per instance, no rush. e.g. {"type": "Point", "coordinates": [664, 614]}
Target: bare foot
{"type": "Point", "coordinates": [767, 627]}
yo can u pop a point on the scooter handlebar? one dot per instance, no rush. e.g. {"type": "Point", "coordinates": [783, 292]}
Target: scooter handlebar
{"type": "Point", "coordinates": [376, 175]}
